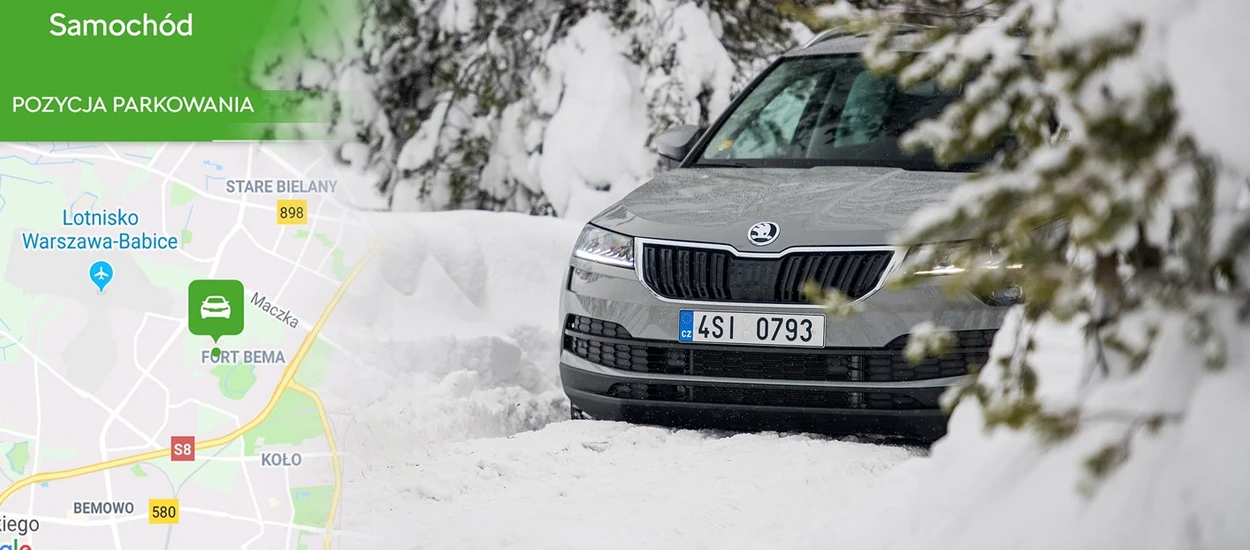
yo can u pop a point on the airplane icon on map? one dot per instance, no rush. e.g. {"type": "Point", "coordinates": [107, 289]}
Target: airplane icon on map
{"type": "Point", "coordinates": [101, 274]}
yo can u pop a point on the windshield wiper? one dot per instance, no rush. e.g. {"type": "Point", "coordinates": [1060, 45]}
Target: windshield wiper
{"type": "Point", "coordinates": [721, 164]}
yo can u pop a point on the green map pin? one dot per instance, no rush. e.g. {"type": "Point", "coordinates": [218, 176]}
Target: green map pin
{"type": "Point", "coordinates": [215, 308]}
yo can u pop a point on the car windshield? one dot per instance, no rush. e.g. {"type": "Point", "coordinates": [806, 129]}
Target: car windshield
{"type": "Point", "coordinates": [828, 111]}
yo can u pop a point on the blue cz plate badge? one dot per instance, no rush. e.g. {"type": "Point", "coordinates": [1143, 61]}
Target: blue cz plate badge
{"type": "Point", "coordinates": [685, 330]}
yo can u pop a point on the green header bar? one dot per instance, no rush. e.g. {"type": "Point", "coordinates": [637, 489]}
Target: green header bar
{"type": "Point", "coordinates": [147, 70]}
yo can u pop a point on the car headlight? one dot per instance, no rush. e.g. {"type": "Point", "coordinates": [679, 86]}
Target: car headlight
{"type": "Point", "coordinates": [934, 260]}
{"type": "Point", "coordinates": [941, 259]}
{"type": "Point", "coordinates": [603, 246]}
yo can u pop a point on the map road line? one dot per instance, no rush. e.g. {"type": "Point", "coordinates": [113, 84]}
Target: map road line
{"type": "Point", "coordinates": [335, 461]}
{"type": "Point", "coordinates": [288, 377]}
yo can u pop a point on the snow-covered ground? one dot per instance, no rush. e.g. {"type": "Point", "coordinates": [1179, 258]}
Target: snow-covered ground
{"type": "Point", "coordinates": [456, 429]}
{"type": "Point", "coordinates": [606, 485]}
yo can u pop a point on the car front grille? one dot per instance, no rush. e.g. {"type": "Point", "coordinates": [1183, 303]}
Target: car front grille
{"type": "Point", "coordinates": [715, 275]}
{"type": "Point", "coordinates": [609, 344]}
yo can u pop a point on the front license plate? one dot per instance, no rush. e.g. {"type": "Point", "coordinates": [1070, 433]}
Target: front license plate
{"type": "Point", "coordinates": [752, 328]}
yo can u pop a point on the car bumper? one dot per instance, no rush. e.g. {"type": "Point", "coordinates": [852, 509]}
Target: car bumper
{"type": "Point", "coordinates": [636, 370]}
{"type": "Point", "coordinates": [592, 393]}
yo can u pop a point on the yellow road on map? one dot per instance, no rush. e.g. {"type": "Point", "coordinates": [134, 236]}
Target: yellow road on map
{"type": "Point", "coordinates": [287, 382]}
{"type": "Point", "coordinates": [335, 462]}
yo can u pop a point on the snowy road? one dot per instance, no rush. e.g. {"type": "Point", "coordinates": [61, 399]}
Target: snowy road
{"type": "Point", "coordinates": [585, 484]}
{"type": "Point", "coordinates": [456, 431]}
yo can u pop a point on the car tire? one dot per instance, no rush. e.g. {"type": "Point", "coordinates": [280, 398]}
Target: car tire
{"type": "Point", "coordinates": [578, 414]}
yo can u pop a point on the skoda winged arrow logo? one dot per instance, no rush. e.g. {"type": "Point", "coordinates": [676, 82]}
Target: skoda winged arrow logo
{"type": "Point", "coordinates": [763, 233]}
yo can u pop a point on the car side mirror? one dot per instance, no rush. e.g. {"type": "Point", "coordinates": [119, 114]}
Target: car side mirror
{"type": "Point", "coordinates": [674, 144]}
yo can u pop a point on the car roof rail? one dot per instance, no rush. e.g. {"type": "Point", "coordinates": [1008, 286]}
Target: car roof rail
{"type": "Point", "coordinates": [827, 34]}
{"type": "Point", "coordinates": [832, 33]}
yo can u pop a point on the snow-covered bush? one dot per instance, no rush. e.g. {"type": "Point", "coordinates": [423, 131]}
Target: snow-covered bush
{"type": "Point", "coordinates": [1128, 219]}
{"type": "Point", "coordinates": [544, 106]}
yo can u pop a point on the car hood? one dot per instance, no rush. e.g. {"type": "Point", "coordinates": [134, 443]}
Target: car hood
{"type": "Point", "coordinates": [841, 206]}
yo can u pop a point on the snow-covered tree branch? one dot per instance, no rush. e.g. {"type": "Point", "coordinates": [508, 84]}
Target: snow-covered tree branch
{"type": "Point", "coordinates": [543, 107]}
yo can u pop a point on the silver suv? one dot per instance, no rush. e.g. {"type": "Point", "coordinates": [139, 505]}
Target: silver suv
{"type": "Point", "coordinates": [684, 303]}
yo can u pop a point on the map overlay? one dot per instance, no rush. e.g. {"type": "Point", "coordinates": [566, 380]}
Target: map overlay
{"type": "Point", "coordinates": [166, 323]}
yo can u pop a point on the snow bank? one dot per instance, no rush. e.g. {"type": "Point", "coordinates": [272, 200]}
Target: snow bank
{"type": "Point", "coordinates": [993, 490]}
{"type": "Point", "coordinates": [456, 321]}
{"type": "Point", "coordinates": [1184, 487]}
